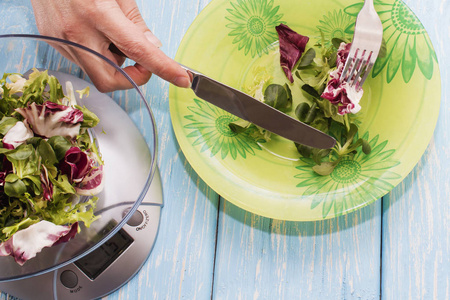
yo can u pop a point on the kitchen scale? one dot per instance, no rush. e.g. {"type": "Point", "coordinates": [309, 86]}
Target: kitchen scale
{"type": "Point", "coordinates": [102, 258]}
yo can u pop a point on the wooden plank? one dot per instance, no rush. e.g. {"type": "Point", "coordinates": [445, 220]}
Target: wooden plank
{"type": "Point", "coordinates": [261, 258]}
{"type": "Point", "coordinates": [181, 263]}
{"type": "Point", "coordinates": [415, 252]}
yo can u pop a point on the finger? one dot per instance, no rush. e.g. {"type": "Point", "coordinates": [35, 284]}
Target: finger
{"type": "Point", "coordinates": [123, 33]}
{"type": "Point", "coordinates": [105, 75]}
{"type": "Point", "coordinates": [120, 60]}
{"type": "Point", "coordinates": [107, 78]}
{"type": "Point", "coordinates": [138, 73]}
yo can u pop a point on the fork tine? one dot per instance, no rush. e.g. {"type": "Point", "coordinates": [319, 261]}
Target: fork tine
{"type": "Point", "coordinates": [355, 66]}
{"type": "Point", "coordinates": [366, 73]}
{"type": "Point", "coordinates": [365, 46]}
{"type": "Point", "coordinates": [348, 63]}
{"type": "Point", "coordinates": [362, 67]}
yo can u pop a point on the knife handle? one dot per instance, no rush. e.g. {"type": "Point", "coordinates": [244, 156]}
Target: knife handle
{"type": "Point", "coordinates": [113, 48]}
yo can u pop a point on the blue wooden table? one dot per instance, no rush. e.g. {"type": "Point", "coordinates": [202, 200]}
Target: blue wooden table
{"type": "Point", "coordinates": [395, 248]}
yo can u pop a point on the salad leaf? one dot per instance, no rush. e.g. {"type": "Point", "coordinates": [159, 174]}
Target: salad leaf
{"type": "Point", "coordinates": [37, 132]}
{"type": "Point", "coordinates": [91, 184]}
{"type": "Point", "coordinates": [83, 92]}
{"type": "Point", "coordinates": [278, 96]}
{"type": "Point", "coordinates": [307, 59]}
{"type": "Point", "coordinates": [6, 123]}
{"type": "Point", "coordinates": [342, 94]}
{"type": "Point", "coordinates": [76, 164]}
{"type": "Point", "coordinates": [292, 45]}
{"type": "Point", "coordinates": [26, 243]}
{"type": "Point", "coordinates": [17, 135]}
{"type": "Point", "coordinates": [328, 102]}
{"type": "Point", "coordinates": [14, 186]}
{"type": "Point", "coordinates": [41, 87]}
{"type": "Point", "coordinates": [239, 125]}
{"type": "Point", "coordinates": [89, 118]}
{"type": "Point", "coordinates": [47, 154]}
{"type": "Point", "coordinates": [60, 146]}
{"type": "Point", "coordinates": [50, 119]}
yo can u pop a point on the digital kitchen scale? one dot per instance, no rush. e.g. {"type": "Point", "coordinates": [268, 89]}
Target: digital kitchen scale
{"type": "Point", "coordinates": [103, 257]}
{"type": "Point", "coordinates": [106, 268]}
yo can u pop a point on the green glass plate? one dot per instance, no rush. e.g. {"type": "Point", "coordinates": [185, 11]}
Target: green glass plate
{"type": "Point", "coordinates": [231, 41]}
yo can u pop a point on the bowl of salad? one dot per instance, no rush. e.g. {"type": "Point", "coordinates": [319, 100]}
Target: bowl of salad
{"type": "Point", "coordinates": [289, 54]}
{"type": "Point", "coordinates": [75, 163]}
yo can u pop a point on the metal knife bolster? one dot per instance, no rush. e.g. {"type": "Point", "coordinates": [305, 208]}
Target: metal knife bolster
{"type": "Point", "coordinates": [257, 112]}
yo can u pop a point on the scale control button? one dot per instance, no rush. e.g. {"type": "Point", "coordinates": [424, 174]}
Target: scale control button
{"type": "Point", "coordinates": [69, 279]}
{"type": "Point", "coordinates": [136, 219]}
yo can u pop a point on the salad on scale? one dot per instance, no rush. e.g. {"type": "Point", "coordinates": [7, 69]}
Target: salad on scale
{"type": "Point", "coordinates": [50, 166]}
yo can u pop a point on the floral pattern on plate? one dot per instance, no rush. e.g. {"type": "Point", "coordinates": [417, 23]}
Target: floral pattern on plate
{"type": "Point", "coordinates": [335, 24]}
{"type": "Point", "coordinates": [348, 178]}
{"type": "Point", "coordinates": [230, 37]}
{"type": "Point", "coordinates": [407, 43]}
{"type": "Point", "coordinates": [252, 25]}
{"type": "Point", "coordinates": [208, 125]}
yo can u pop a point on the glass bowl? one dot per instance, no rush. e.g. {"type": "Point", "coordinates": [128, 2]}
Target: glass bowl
{"type": "Point", "coordinates": [126, 137]}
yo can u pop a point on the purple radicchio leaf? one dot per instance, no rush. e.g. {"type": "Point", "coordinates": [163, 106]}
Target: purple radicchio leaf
{"type": "Point", "coordinates": [76, 164]}
{"type": "Point", "coordinates": [344, 95]}
{"type": "Point", "coordinates": [342, 54]}
{"type": "Point", "coordinates": [46, 184]}
{"type": "Point", "coordinates": [292, 46]}
{"type": "Point", "coordinates": [92, 184]}
{"type": "Point", "coordinates": [52, 119]}
{"type": "Point", "coordinates": [17, 135]}
{"type": "Point", "coordinates": [6, 169]}
{"type": "Point", "coordinates": [26, 243]}
{"type": "Point", "coordinates": [71, 115]}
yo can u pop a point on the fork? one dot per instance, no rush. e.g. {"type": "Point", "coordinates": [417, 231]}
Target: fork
{"type": "Point", "coordinates": [365, 46]}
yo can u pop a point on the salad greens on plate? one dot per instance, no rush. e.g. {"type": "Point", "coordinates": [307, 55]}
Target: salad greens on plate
{"type": "Point", "coordinates": [50, 166]}
{"type": "Point", "coordinates": [330, 104]}
{"type": "Point", "coordinates": [271, 178]}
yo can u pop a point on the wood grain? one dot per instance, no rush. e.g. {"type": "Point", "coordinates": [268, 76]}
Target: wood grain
{"type": "Point", "coordinates": [181, 263]}
{"type": "Point", "coordinates": [415, 252]}
{"type": "Point", "coordinates": [261, 258]}
{"type": "Point", "coordinates": [397, 248]}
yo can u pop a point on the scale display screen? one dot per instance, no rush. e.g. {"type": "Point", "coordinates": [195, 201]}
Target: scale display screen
{"type": "Point", "coordinates": [98, 260]}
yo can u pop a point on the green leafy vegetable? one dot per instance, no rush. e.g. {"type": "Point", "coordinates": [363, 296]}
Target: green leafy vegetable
{"type": "Point", "coordinates": [313, 70]}
{"type": "Point", "coordinates": [239, 125]}
{"type": "Point", "coordinates": [278, 96]}
{"type": "Point", "coordinates": [33, 187]}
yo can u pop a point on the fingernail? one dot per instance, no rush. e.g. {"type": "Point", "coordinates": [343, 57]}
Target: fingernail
{"type": "Point", "coordinates": [182, 82]}
{"type": "Point", "coordinates": [153, 39]}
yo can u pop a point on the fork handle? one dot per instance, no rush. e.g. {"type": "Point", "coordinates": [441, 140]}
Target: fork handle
{"type": "Point", "coordinates": [368, 5]}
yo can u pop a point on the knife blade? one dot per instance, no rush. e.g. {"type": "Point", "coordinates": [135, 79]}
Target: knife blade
{"type": "Point", "coordinates": [250, 109]}
{"type": "Point", "coordinates": [257, 112]}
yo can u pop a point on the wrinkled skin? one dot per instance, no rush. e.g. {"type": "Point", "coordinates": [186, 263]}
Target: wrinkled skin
{"type": "Point", "coordinates": [97, 24]}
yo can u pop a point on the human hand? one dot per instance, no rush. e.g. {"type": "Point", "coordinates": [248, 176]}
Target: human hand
{"type": "Point", "coordinates": [97, 24]}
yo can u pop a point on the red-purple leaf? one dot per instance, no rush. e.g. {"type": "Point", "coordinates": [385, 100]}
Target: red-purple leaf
{"type": "Point", "coordinates": [292, 46]}
{"type": "Point", "coordinates": [52, 119]}
{"type": "Point", "coordinates": [92, 183]}
{"type": "Point", "coordinates": [26, 243]}
{"type": "Point", "coordinates": [76, 165]}
{"type": "Point", "coordinates": [344, 95]}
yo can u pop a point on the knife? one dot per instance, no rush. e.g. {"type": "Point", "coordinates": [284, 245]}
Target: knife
{"type": "Point", "coordinates": [250, 109]}
{"type": "Point", "coordinates": [257, 112]}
